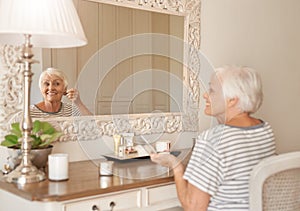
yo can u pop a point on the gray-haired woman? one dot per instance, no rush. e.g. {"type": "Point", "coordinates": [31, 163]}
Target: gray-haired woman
{"type": "Point", "coordinates": [217, 175]}
{"type": "Point", "coordinates": [53, 85]}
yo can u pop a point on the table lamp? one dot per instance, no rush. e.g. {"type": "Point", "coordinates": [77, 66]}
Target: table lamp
{"type": "Point", "coordinates": [44, 24]}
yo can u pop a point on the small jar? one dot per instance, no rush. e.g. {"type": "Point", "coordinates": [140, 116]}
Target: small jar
{"type": "Point", "coordinates": [121, 148]}
{"type": "Point", "coordinates": [163, 146]}
{"type": "Point", "coordinates": [106, 168]}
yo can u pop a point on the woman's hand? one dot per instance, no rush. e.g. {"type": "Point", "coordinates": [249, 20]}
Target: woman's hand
{"type": "Point", "coordinates": [73, 95]}
{"type": "Point", "coordinates": [167, 160]}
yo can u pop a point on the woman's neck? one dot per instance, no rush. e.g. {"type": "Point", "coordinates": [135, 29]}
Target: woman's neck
{"type": "Point", "coordinates": [242, 120]}
{"type": "Point", "coordinates": [49, 106]}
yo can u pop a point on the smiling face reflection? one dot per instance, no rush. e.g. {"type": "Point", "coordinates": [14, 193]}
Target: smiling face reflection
{"type": "Point", "coordinates": [52, 88]}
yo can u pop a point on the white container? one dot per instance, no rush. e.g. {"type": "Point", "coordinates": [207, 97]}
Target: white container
{"type": "Point", "coordinates": [163, 146]}
{"type": "Point", "coordinates": [121, 148]}
{"type": "Point", "coordinates": [58, 167]}
{"type": "Point", "coordinates": [106, 168]}
{"type": "Point", "coordinates": [128, 139]}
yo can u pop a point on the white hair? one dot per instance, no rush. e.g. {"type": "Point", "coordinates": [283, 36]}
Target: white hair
{"type": "Point", "coordinates": [53, 71]}
{"type": "Point", "coordinates": [243, 83]}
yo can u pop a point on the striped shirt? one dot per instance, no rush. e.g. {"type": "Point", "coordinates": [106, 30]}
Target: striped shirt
{"type": "Point", "coordinates": [66, 110]}
{"type": "Point", "coordinates": [222, 160]}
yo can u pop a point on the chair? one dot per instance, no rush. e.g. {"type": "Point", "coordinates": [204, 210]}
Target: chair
{"type": "Point", "coordinates": [275, 184]}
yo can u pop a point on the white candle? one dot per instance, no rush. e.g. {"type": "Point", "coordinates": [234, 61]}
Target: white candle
{"type": "Point", "coordinates": [106, 168]}
{"type": "Point", "coordinates": [58, 167]}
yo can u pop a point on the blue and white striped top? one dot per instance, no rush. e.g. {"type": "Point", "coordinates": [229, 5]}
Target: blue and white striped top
{"type": "Point", "coordinates": [222, 160]}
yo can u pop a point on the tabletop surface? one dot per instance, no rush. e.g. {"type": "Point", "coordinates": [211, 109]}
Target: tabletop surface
{"type": "Point", "coordinates": [84, 180]}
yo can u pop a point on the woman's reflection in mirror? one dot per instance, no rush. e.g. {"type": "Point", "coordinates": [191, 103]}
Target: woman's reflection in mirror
{"type": "Point", "coordinates": [53, 85]}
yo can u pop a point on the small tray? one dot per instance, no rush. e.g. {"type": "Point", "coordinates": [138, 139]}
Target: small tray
{"type": "Point", "coordinates": [142, 151]}
{"type": "Point", "coordinates": [126, 156]}
{"type": "Point", "coordinates": [135, 156]}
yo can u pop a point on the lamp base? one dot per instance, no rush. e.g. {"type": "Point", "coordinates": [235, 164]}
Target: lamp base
{"type": "Point", "coordinates": [25, 174]}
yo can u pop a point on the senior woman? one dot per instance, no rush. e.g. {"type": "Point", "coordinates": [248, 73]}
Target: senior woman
{"type": "Point", "coordinates": [53, 85]}
{"type": "Point", "coordinates": [217, 175]}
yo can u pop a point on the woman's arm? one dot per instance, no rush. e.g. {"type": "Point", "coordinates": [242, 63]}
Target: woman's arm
{"type": "Point", "coordinates": [190, 197]}
{"type": "Point", "coordinates": [83, 109]}
{"type": "Point", "coordinates": [73, 95]}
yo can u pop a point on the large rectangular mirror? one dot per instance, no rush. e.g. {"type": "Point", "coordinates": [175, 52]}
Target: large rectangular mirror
{"type": "Point", "coordinates": [147, 91]}
{"type": "Point", "coordinates": [184, 23]}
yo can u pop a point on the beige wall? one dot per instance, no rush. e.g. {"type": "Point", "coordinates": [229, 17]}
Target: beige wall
{"type": "Point", "coordinates": [263, 34]}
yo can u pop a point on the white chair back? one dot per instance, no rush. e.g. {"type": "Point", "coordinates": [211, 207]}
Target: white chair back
{"type": "Point", "coordinates": [275, 184]}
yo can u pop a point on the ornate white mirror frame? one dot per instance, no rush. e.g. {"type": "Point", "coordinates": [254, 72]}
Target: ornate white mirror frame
{"type": "Point", "coordinates": [86, 128]}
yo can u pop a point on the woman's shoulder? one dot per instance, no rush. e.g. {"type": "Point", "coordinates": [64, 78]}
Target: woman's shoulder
{"type": "Point", "coordinates": [218, 132]}
{"type": "Point", "coordinates": [212, 133]}
{"type": "Point", "coordinates": [215, 129]}
{"type": "Point", "coordinates": [71, 109]}
{"type": "Point", "coordinates": [261, 125]}
{"type": "Point", "coordinates": [33, 107]}
{"type": "Point", "coordinates": [68, 106]}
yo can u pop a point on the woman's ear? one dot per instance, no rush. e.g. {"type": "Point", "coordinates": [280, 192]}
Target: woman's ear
{"type": "Point", "coordinates": [65, 91]}
{"type": "Point", "coordinates": [232, 102]}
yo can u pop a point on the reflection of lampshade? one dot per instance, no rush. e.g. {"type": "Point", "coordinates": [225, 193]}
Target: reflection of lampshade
{"type": "Point", "coordinates": [46, 24]}
{"type": "Point", "coordinates": [52, 23]}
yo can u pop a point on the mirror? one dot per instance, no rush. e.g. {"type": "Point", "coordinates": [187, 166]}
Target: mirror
{"type": "Point", "coordinates": [88, 128]}
{"type": "Point", "coordinates": [108, 27]}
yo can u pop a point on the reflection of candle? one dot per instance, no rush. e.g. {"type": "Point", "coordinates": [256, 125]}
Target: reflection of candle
{"type": "Point", "coordinates": [121, 180]}
{"type": "Point", "coordinates": [119, 176]}
{"type": "Point", "coordinates": [106, 182]}
{"type": "Point", "coordinates": [57, 188]}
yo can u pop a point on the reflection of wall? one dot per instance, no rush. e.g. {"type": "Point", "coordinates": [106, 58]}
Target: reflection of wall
{"type": "Point", "coordinates": [264, 35]}
{"type": "Point", "coordinates": [103, 24]}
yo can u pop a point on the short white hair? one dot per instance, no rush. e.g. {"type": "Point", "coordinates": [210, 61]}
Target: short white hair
{"type": "Point", "coordinates": [53, 71]}
{"type": "Point", "coordinates": [243, 83]}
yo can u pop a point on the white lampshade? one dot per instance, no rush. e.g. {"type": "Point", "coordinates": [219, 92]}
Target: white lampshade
{"type": "Point", "coordinates": [52, 23]}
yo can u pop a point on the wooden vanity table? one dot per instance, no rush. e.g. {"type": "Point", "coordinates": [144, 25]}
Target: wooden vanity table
{"type": "Point", "coordinates": [137, 184]}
